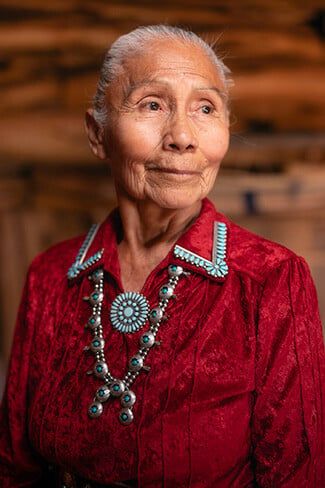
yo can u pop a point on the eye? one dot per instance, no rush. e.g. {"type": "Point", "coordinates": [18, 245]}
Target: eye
{"type": "Point", "coordinates": [207, 109]}
{"type": "Point", "coordinates": [154, 106]}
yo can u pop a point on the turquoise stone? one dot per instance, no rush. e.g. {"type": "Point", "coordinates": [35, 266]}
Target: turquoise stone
{"type": "Point", "coordinates": [128, 311]}
{"type": "Point", "coordinates": [127, 398]}
{"type": "Point", "coordinates": [116, 388]}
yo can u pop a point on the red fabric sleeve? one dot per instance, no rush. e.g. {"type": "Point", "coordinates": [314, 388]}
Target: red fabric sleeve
{"type": "Point", "coordinates": [288, 420]}
{"type": "Point", "coordinates": [19, 466]}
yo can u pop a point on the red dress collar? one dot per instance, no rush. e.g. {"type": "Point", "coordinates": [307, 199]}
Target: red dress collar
{"type": "Point", "coordinates": [198, 239]}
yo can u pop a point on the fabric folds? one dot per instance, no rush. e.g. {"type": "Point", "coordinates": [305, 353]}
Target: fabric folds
{"type": "Point", "coordinates": [235, 393]}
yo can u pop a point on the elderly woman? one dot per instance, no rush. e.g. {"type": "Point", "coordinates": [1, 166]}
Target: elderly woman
{"type": "Point", "coordinates": [169, 347]}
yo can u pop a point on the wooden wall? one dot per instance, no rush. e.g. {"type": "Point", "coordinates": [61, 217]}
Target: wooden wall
{"type": "Point", "coordinates": [51, 188]}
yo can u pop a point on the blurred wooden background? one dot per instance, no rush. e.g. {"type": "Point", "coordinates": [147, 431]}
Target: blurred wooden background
{"type": "Point", "coordinates": [273, 179]}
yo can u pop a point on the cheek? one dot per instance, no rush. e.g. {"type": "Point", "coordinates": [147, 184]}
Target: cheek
{"type": "Point", "coordinates": [135, 142]}
{"type": "Point", "coordinates": [214, 144]}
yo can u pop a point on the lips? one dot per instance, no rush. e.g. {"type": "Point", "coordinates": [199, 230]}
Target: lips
{"type": "Point", "coordinates": [175, 171]}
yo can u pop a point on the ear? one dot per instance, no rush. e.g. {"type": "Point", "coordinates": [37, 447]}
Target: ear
{"type": "Point", "coordinates": [95, 133]}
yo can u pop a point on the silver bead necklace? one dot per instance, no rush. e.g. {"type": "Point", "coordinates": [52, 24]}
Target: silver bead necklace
{"type": "Point", "coordinates": [129, 312]}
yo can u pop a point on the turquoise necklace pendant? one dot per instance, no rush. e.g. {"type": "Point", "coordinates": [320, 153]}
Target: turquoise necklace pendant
{"type": "Point", "coordinates": [129, 312]}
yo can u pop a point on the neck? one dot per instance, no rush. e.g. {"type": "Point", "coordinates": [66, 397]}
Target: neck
{"type": "Point", "coordinates": [147, 226]}
{"type": "Point", "coordinates": [149, 232]}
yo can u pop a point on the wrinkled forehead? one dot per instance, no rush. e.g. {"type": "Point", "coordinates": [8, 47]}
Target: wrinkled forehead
{"type": "Point", "coordinates": [163, 57]}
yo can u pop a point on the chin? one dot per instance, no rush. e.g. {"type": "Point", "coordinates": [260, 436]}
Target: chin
{"type": "Point", "coordinates": [176, 200]}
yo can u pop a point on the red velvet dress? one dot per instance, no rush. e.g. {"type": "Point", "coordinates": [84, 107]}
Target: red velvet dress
{"type": "Point", "coordinates": [234, 395]}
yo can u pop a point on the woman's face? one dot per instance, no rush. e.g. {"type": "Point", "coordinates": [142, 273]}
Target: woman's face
{"type": "Point", "coordinates": [168, 127]}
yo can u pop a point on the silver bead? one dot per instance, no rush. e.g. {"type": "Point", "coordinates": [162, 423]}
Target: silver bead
{"type": "Point", "coordinates": [147, 339]}
{"type": "Point", "coordinates": [155, 315]}
{"type": "Point", "coordinates": [128, 398]}
{"type": "Point", "coordinates": [95, 409]}
{"type": "Point", "coordinates": [100, 369]}
{"type": "Point", "coordinates": [103, 393]}
{"type": "Point", "coordinates": [97, 344]}
{"type": "Point", "coordinates": [174, 270]}
{"type": "Point", "coordinates": [117, 388]}
{"type": "Point", "coordinates": [125, 416]}
{"type": "Point", "coordinates": [96, 297]}
{"type": "Point", "coordinates": [166, 291]}
{"type": "Point", "coordinates": [93, 322]}
{"type": "Point", "coordinates": [136, 362]}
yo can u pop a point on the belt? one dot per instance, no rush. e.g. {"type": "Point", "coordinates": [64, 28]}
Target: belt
{"type": "Point", "coordinates": [70, 480]}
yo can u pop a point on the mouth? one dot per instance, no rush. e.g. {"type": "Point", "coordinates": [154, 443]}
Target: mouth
{"type": "Point", "coordinates": [176, 171]}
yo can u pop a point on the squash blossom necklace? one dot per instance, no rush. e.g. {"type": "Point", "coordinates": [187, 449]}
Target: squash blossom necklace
{"type": "Point", "coordinates": [129, 313]}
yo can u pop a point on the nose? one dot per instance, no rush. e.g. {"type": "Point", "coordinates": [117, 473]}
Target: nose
{"type": "Point", "coordinates": [180, 135]}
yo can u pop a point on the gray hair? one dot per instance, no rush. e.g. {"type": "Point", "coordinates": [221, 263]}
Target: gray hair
{"type": "Point", "coordinates": [130, 44]}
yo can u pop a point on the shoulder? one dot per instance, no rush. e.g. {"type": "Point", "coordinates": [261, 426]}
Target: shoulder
{"type": "Point", "coordinates": [254, 255]}
{"type": "Point", "coordinates": [54, 263]}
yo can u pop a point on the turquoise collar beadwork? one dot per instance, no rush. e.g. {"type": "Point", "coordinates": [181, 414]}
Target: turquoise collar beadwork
{"type": "Point", "coordinates": [217, 267]}
{"type": "Point", "coordinates": [80, 263]}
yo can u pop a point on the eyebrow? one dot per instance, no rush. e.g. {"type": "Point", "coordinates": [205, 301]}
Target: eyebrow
{"type": "Point", "coordinates": [132, 88]}
{"type": "Point", "coordinates": [149, 81]}
{"type": "Point", "coordinates": [221, 93]}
